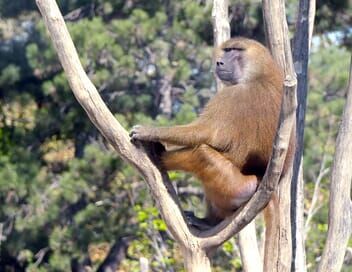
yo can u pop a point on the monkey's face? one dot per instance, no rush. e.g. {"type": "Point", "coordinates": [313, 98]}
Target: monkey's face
{"type": "Point", "coordinates": [229, 67]}
{"type": "Point", "coordinates": [240, 60]}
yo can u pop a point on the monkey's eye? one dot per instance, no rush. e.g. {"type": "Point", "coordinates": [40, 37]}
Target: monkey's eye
{"type": "Point", "coordinates": [228, 49]}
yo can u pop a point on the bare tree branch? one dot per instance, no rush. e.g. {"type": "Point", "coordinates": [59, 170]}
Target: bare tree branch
{"type": "Point", "coordinates": [279, 248]}
{"type": "Point", "coordinates": [221, 27]}
{"type": "Point", "coordinates": [314, 207]}
{"type": "Point", "coordinates": [301, 46]}
{"type": "Point", "coordinates": [311, 19]}
{"type": "Point", "coordinates": [102, 118]}
{"type": "Point", "coordinates": [340, 206]}
{"type": "Point", "coordinates": [248, 245]}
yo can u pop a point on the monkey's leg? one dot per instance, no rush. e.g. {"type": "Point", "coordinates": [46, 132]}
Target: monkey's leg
{"type": "Point", "coordinates": [221, 174]}
{"type": "Point", "coordinates": [226, 188]}
{"type": "Point", "coordinates": [218, 174]}
{"type": "Point", "coordinates": [184, 159]}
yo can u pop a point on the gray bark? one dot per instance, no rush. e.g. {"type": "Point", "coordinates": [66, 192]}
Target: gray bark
{"type": "Point", "coordinates": [340, 206]}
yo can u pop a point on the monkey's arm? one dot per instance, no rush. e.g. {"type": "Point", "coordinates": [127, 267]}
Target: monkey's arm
{"type": "Point", "coordinates": [185, 135]}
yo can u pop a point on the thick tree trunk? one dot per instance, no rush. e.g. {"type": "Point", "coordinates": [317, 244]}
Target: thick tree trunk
{"type": "Point", "coordinates": [196, 260]}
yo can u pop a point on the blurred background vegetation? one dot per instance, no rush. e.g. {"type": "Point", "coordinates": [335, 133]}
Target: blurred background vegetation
{"type": "Point", "coordinates": [67, 201]}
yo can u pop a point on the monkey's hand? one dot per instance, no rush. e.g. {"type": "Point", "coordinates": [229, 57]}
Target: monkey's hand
{"type": "Point", "coordinates": [143, 133]}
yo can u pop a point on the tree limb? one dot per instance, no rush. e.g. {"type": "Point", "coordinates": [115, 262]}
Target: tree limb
{"type": "Point", "coordinates": [340, 206]}
{"type": "Point", "coordinates": [102, 118]}
{"type": "Point", "coordinates": [301, 47]}
{"type": "Point", "coordinates": [221, 28]}
{"type": "Point", "coordinates": [248, 245]}
{"type": "Point", "coordinates": [279, 249]}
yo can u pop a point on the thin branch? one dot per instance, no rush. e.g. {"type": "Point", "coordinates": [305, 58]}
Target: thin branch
{"type": "Point", "coordinates": [302, 41]}
{"type": "Point", "coordinates": [103, 119]}
{"type": "Point", "coordinates": [248, 247]}
{"type": "Point", "coordinates": [221, 27]}
{"type": "Point", "coordinates": [311, 19]}
{"type": "Point", "coordinates": [220, 19]}
{"type": "Point", "coordinates": [313, 205]}
{"type": "Point", "coordinates": [323, 171]}
{"type": "Point", "coordinates": [195, 257]}
{"type": "Point", "coordinates": [340, 206]}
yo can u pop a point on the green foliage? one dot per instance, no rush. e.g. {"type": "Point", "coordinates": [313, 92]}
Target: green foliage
{"type": "Point", "coordinates": [329, 73]}
{"type": "Point", "coordinates": [9, 75]}
{"type": "Point", "coordinates": [327, 87]}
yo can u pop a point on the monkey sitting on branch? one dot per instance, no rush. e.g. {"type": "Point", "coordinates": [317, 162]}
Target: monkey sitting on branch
{"type": "Point", "coordinates": [228, 147]}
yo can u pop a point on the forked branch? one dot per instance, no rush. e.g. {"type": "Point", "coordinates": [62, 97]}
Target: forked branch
{"type": "Point", "coordinates": [195, 245]}
{"type": "Point", "coordinates": [103, 119]}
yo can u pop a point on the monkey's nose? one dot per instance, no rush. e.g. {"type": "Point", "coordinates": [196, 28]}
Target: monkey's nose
{"type": "Point", "coordinates": [219, 63]}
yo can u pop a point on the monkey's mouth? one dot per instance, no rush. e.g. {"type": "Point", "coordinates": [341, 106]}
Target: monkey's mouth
{"type": "Point", "coordinates": [224, 75]}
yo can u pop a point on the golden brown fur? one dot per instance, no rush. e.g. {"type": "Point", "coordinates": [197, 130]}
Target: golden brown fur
{"type": "Point", "coordinates": [229, 146]}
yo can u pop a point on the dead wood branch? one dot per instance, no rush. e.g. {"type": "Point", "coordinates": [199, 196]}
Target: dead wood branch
{"type": "Point", "coordinates": [340, 206]}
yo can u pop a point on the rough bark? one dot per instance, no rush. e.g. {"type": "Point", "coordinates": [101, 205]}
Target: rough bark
{"type": "Point", "coordinates": [279, 249]}
{"type": "Point", "coordinates": [196, 260]}
{"type": "Point", "coordinates": [340, 206]}
{"type": "Point", "coordinates": [221, 28]}
{"type": "Point", "coordinates": [248, 245]}
{"type": "Point", "coordinates": [301, 46]}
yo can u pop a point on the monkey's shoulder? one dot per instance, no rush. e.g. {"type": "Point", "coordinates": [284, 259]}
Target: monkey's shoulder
{"type": "Point", "coordinates": [230, 99]}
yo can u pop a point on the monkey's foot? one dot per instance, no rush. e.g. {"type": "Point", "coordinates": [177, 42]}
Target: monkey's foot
{"type": "Point", "coordinates": [198, 223]}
